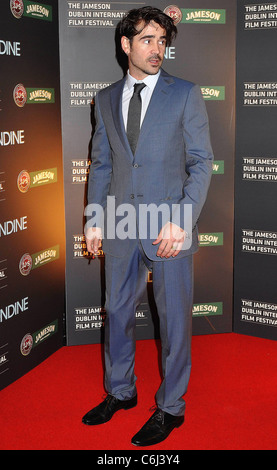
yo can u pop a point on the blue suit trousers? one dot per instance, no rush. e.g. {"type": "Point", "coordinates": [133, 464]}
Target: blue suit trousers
{"type": "Point", "coordinates": [173, 292]}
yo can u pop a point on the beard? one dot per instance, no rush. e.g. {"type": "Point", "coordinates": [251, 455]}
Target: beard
{"type": "Point", "coordinates": [150, 67]}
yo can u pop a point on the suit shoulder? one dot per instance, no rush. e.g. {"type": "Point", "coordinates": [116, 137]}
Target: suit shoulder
{"type": "Point", "coordinates": [185, 84]}
{"type": "Point", "coordinates": [103, 96]}
{"type": "Point", "coordinates": [181, 82]}
{"type": "Point", "coordinates": [109, 88]}
{"type": "Point", "coordinates": [181, 86]}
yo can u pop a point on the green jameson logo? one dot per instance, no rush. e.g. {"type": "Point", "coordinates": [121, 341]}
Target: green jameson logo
{"type": "Point", "coordinates": [22, 95]}
{"type": "Point", "coordinates": [208, 309]}
{"type": "Point", "coordinates": [213, 93]}
{"type": "Point", "coordinates": [44, 333]}
{"type": "Point", "coordinates": [26, 180]}
{"type": "Point", "coordinates": [211, 239]}
{"type": "Point", "coordinates": [30, 9]}
{"type": "Point", "coordinates": [42, 95]}
{"type": "Point", "coordinates": [39, 11]}
{"type": "Point", "coordinates": [29, 262]}
{"type": "Point", "coordinates": [44, 257]}
{"type": "Point", "coordinates": [218, 167]}
{"type": "Point", "coordinates": [192, 15]}
{"type": "Point", "coordinates": [39, 178]}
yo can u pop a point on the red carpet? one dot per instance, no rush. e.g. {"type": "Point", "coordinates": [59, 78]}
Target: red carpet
{"type": "Point", "coordinates": [231, 401]}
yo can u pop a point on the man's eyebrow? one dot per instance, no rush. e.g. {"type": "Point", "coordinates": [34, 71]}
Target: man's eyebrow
{"type": "Point", "coordinates": [150, 36]}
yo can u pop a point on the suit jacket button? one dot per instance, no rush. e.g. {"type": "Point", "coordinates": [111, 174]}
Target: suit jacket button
{"type": "Point", "coordinates": [135, 165]}
{"type": "Point", "coordinates": [132, 196]}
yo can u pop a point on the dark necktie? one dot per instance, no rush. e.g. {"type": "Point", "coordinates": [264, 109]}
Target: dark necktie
{"type": "Point", "coordinates": [134, 116]}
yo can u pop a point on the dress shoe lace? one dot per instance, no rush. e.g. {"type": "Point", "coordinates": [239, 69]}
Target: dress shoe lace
{"type": "Point", "coordinates": [110, 400]}
{"type": "Point", "coordinates": [158, 415]}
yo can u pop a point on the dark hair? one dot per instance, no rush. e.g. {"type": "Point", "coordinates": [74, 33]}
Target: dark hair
{"type": "Point", "coordinates": [127, 26]}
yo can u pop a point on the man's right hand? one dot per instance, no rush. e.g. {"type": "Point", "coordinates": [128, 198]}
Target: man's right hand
{"type": "Point", "coordinates": [93, 239]}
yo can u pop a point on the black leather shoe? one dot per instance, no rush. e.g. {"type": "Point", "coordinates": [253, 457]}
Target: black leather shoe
{"type": "Point", "coordinates": [157, 428]}
{"type": "Point", "coordinates": [105, 411]}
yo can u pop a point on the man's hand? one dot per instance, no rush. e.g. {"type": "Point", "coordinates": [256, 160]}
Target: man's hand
{"type": "Point", "coordinates": [171, 239]}
{"type": "Point", "coordinates": [93, 239]}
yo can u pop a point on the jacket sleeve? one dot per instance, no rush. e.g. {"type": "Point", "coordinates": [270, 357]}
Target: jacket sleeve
{"type": "Point", "coordinates": [100, 171]}
{"type": "Point", "coordinates": [199, 155]}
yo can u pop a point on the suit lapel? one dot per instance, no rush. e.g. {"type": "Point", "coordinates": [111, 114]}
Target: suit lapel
{"type": "Point", "coordinates": [157, 106]}
{"type": "Point", "coordinates": [116, 106]}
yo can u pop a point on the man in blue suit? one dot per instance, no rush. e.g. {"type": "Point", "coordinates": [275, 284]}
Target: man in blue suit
{"type": "Point", "coordinates": [151, 155]}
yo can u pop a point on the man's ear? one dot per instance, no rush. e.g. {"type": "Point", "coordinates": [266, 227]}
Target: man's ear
{"type": "Point", "coordinates": [125, 44]}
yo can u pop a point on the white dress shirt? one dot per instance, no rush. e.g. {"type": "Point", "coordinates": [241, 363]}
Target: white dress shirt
{"type": "Point", "coordinates": [128, 90]}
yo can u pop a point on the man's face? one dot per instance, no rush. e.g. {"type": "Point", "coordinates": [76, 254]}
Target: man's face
{"type": "Point", "coordinates": [146, 52]}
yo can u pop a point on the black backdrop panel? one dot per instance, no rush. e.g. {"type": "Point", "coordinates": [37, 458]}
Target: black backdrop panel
{"type": "Point", "coordinates": [31, 188]}
{"type": "Point", "coordinates": [204, 53]}
{"type": "Point", "coordinates": [255, 294]}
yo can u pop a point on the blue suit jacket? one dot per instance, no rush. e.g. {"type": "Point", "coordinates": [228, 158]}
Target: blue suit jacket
{"type": "Point", "coordinates": [172, 163]}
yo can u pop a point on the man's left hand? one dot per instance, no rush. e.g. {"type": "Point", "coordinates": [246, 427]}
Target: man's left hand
{"type": "Point", "coordinates": [171, 239]}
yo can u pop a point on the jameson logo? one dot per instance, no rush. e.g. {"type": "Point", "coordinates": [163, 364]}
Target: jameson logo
{"type": "Point", "coordinates": [174, 12]}
{"type": "Point", "coordinates": [42, 95]}
{"type": "Point", "coordinates": [203, 16]}
{"type": "Point", "coordinates": [42, 12]}
{"type": "Point", "coordinates": [22, 95]}
{"type": "Point", "coordinates": [26, 180]}
{"type": "Point", "coordinates": [211, 239]}
{"type": "Point", "coordinates": [30, 9]}
{"type": "Point", "coordinates": [208, 309]}
{"type": "Point", "coordinates": [213, 93]}
{"type": "Point", "coordinates": [39, 178]}
{"type": "Point", "coordinates": [218, 167]}
{"type": "Point", "coordinates": [29, 262]}
{"type": "Point", "coordinates": [44, 257]}
{"type": "Point", "coordinates": [45, 333]}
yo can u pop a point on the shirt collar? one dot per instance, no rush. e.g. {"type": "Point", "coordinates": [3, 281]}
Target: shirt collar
{"type": "Point", "coordinates": [150, 80]}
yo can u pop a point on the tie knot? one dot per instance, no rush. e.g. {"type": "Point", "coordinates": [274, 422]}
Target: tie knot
{"type": "Point", "coordinates": [138, 87]}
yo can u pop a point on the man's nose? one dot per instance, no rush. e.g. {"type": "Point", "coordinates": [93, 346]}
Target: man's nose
{"type": "Point", "coordinates": [156, 48]}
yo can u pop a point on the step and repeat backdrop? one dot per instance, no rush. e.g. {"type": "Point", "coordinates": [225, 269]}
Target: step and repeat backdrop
{"type": "Point", "coordinates": [31, 188]}
{"type": "Point", "coordinates": [54, 58]}
{"type": "Point", "coordinates": [255, 293]}
{"type": "Point", "coordinates": [204, 53]}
